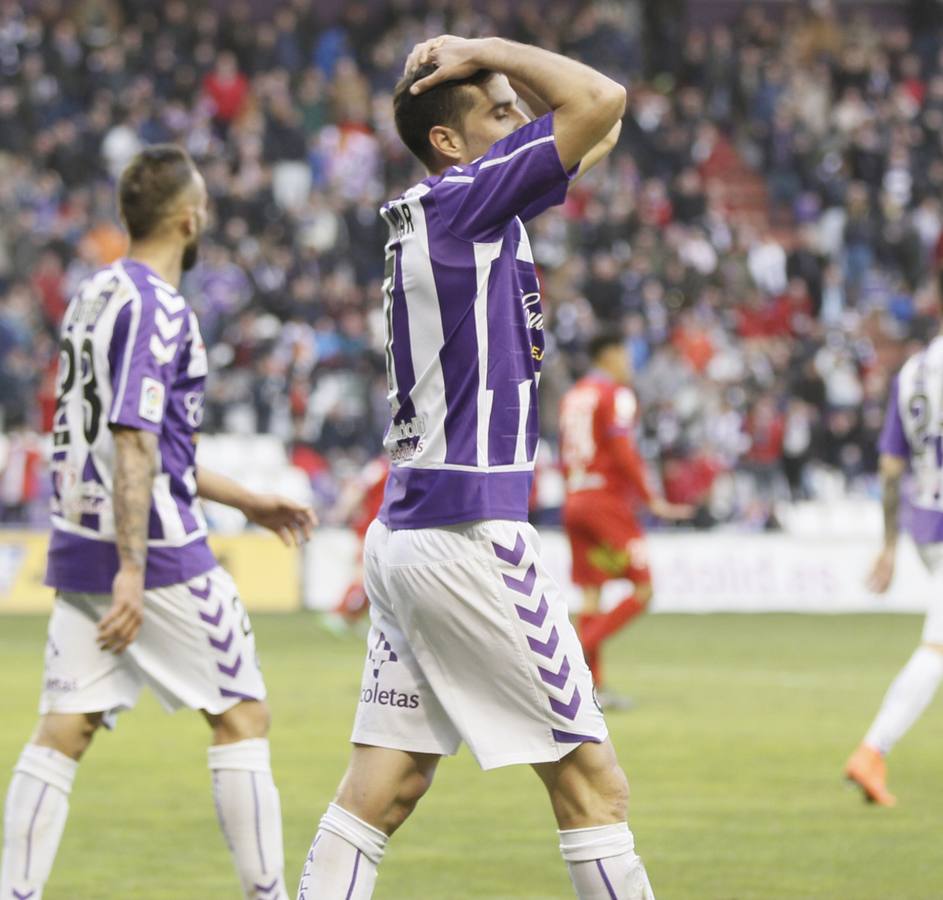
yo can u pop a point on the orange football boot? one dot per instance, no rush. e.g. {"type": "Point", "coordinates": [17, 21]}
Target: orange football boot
{"type": "Point", "coordinates": [867, 769]}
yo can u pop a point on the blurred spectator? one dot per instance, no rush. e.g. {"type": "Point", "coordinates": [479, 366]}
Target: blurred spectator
{"type": "Point", "coordinates": [767, 235]}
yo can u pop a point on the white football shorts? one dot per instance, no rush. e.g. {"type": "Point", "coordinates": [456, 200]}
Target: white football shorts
{"type": "Point", "coordinates": [195, 649]}
{"type": "Point", "coordinates": [932, 556]}
{"type": "Point", "coordinates": [470, 641]}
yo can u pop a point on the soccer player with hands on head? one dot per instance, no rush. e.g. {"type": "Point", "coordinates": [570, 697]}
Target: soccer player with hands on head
{"type": "Point", "coordinates": [470, 638]}
{"type": "Point", "coordinates": [140, 598]}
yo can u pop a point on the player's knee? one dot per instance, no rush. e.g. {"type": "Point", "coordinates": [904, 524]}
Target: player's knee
{"type": "Point", "coordinates": [936, 648]}
{"type": "Point", "coordinates": [605, 795]}
{"type": "Point", "coordinates": [411, 791]}
{"type": "Point", "coordinates": [590, 790]}
{"type": "Point", "coordinates": [69, 734]}
{"type": "Point", "coordinates": [643, 592]}
{"type": "Point", "coordinates": [245, 721]}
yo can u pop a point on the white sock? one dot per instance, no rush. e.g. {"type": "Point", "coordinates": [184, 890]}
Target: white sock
{"type": "Point", "coordinates": [250, 816]}
{"type": "Point", "coordinates": [908, 696]}
{"type": "Point", "coordinates": [603, 863]}
{"type": "Point", "coordinates": [34, 817]}
{"type": "Point", "coordinates": [343, 859]}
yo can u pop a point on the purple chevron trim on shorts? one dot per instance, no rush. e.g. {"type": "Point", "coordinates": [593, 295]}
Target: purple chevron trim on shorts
{"type": "Point", "coordinates": [223, 645]}
{"type": "Point", "coordinates": [225, 692]}
{"type": "Point", "coordinates": [523, 585]}
{"type": "Point", "coordinates": [266, 888]}
{"type": "Point", "coordinates": [214, 619]}
{"type": "Point", "coordinates": [555, 679]}
{"type": "Point", "coordinates": [353, 878]}
{"type": "Point", "coordinates": [534, 617]}
{"type": "Point", "coordinates": [545, 648]}
{"type": "Point", "coordinates": [202, 594]}
{"type": "Point", "coordinates": [18, 896]}
{"type": "Point", "coordinates": [571, 737]}
{"type": "Point", "coordinates": [514, 556]}
{"type": "Point", "coordinates": [605, 879]}
{"type": "Point", "coordinates": [32, 825]}
{"type": "Point", "coordinates": [233, 670]}
{"type": "Point", "coordinates": [567, 710]}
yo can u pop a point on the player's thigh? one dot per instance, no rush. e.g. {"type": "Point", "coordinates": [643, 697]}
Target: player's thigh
{"type": "Point", "coordinates": [492, 634]}
{"type": "Point", "coordinates": [79, 678]}
{"type": "Point", "coordinates": [196, 648]}
{"type": "Point", "coordinates": [586, 787]}
{"type": "Point", "coordinates": [247, 720]}
{"type": "Point", "coordinates": [397, 708]}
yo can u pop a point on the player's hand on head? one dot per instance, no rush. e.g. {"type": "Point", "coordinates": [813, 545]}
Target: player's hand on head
{"type": "Point", "coordinates": [122, 621]}
{"type": "Point", "coordinates": [453, 57]}
{"type": "Point", "coordinates": [882, 572]}
{"type": "Point", "coordinates": [292, 522]}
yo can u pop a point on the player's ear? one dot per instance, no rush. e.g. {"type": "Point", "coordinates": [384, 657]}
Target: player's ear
{"type": "Point", "coordinates": [447, 141]}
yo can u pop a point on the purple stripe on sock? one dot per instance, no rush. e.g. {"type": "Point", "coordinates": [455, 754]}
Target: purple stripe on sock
{"type": "Point", "coordinates": [29, 834]}
{"type": "Point", "coordinates": [353, 878]}
{"type": "Point", "coordinates": [605, 878]}
{"type": "Point", "coordinates": [219, 811]}
{"type": "Point", "coordinates": [18, 896]}
{"type": "Point", "coordinates": [258, 822]}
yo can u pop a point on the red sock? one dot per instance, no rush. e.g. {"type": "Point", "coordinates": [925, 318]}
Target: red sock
{"type": "Point", "coordinates": [593, 656]}
{"type": "Point", "coordinates": [354, 602]}
{"type": "Point", "coordinates": [609, 623]}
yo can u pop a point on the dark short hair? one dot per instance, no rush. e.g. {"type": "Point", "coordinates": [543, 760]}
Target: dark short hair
{"type": "Point", "coordinates": [149, 185]}
{"type": "Point", "coordinates": [444, 104]}
{"type": "Point", "coordinates": [607, 336]}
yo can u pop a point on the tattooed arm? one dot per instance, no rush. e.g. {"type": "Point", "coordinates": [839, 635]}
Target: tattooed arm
{"type": "Point", "coordinates": [135, 457]}
{"type": "Point", "coordinates": [891, 470]}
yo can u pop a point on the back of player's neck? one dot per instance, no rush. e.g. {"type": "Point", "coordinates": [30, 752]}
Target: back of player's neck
{"type": "Point", "coordinates": [163, 260]}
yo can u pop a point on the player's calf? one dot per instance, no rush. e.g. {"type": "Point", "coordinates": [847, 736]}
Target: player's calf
{"type": "Point", "coordinates": [247, 801]}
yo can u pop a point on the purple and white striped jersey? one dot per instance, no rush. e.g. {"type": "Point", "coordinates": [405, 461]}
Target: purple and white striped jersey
{"type": "Point", "coordinates": [464, 334]}
{"type": "Point", "coordinates": [131, 354]}
{"type": "Point", "coordinates": [913, 430]}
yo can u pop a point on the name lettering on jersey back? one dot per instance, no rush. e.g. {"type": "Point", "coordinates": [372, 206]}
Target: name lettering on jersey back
{"type": "Point", "coordinates": [399, 218]}
{"type": "Point", "coordinates": [93, 298]}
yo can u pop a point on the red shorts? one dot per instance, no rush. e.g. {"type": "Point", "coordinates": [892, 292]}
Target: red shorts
{"type": "Point", "coordinates": [606, 541]}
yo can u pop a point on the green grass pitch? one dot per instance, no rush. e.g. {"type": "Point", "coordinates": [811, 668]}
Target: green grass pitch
{"type": "Point", "coordinates": [734, 754]}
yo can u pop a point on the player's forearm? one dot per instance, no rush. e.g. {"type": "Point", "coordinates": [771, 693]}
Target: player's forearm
{"type": "Point", "coordinates": [220, 489]}
{"type": "Point", "coordinates": [890, 501]}
{"type": "Point", "coordinates": [596, 154]}
{"type": "Point", "coordinates": [585, 103]}
{"type": "Point", "coordinates": [135, 456]}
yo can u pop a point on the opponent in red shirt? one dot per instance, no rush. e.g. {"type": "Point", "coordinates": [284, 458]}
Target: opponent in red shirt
{"type": "Point", "coordinates": [358, 507]}
{"type": "Point", "coordinates": [605, 482]}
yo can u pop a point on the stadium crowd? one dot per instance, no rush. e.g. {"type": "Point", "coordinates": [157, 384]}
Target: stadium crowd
{"type": "Point", "coordinates": [766, 235]}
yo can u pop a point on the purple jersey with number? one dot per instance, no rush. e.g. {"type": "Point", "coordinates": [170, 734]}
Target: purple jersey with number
{"type": "Point", "coordinates": [131, 355]}
{"type": "Point", "coordinates": [913, 430]}
{"type": "Point", "coordinates": [464, 334]}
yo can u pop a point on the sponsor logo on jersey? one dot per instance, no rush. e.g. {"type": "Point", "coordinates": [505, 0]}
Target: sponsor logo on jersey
{"type": "Point", "coordinates": [403, 431]}
{"type": "Point", "coordinates": [151, 406]}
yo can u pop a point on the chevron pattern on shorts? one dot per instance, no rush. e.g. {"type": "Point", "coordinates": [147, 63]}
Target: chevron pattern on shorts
{"type": "Point", "coordinates": [220, 633]}
{"type": "Point", "coordinates": [555, 674]}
